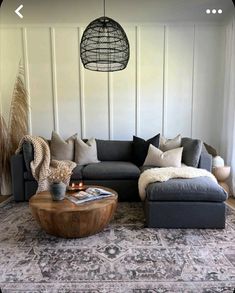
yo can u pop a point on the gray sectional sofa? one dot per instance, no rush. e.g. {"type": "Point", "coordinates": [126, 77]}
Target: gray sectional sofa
{"type": "Point", "coordinates": [115, 170]}
{"type": "Point", "coordinates": [177, 203]}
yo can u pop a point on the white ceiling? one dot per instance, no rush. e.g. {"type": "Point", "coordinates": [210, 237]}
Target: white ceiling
{"type": "Point", "coordinates": [127, 11]}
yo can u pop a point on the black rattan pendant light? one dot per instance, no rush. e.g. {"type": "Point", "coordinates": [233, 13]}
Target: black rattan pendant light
{"type": "Point", "coordinates": [104, 45]}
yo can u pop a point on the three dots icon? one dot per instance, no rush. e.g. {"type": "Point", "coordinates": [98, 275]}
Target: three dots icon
{"type": "Point", "coordinates": [214, 11]}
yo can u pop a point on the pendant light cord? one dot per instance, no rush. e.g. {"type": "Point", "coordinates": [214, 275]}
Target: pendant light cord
{"type": "Point", "coordinates": [104, 8]}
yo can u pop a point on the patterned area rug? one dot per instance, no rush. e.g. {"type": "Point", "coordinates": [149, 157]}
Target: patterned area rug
{"type": "Point", "coordinates": [125, 257]}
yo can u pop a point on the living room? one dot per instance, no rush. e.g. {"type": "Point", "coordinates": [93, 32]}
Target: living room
{"type": "Point", "coordinates": [117, 146]}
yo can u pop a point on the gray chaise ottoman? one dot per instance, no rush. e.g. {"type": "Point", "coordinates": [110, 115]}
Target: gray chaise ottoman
{"type": "Point", "coordinates": [185, 203]}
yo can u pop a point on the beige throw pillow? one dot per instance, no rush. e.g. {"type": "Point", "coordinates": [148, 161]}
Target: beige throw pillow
{"type": "Point", "coordinates": [169, 144]}
{"type": "Point", "coordinates": [156, 157]}
{"type": "Point", "coordinates": [62, 149]}
{"type": "Point", "coordinates": [85, 153]}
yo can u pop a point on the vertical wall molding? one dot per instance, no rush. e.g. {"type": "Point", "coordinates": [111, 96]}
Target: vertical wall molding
{"type": "Point", "coordinates": [43, 51]}
{"type": "Point", "coordinates": [81, 88]}
{"type": "Point", "coordinates": [110, 104]}
{"type": "Point", "coordinates": [164, 83]}
{"type": "Point", "coordinates": [137, 80]}
{"type": "Point", "coordinates": [26, 72]}
{"type": "Point", "coordinates": [54, 80]}
{"type": "Point", "coordinates": [193, 73]}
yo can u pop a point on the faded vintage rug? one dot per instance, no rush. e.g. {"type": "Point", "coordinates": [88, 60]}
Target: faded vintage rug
{"type": "Point", "coordinates": [126, 257]}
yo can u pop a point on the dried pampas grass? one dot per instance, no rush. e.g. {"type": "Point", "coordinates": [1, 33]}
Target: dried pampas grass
{"type": "Point", "coordinates": [11, 135]}
{"type": "Point", "coordinates": [3, 147]}
{"type": "Point", "coordinates": [19, 111]}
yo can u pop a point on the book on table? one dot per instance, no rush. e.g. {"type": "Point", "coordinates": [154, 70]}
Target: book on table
{"type": "Point", "coordinates": [90, 194]}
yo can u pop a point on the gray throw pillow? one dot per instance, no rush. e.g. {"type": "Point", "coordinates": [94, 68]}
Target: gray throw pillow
{"type": "Point", "coordinates": [169, 144]}
{"type": "Point", "coordinates": [62, 149]}
{"type": "Point", "coordinates": [192, 151]}
{"type": "Point", "coordinates": [85, 152]}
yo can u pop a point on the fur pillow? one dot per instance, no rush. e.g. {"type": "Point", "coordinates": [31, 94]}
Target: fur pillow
{"type": "Point", "coordinates": [157, 158]}
{"type": "Point", "coordinates": [85, 153]}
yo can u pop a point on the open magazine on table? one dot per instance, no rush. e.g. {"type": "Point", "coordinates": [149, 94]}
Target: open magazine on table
{"type": "Point", "coordinates": [90, 194]}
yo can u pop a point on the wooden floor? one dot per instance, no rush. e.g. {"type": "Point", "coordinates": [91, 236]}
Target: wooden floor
{"type": "Point", "coordinates": [4, 199]}
{"type": "Point", "coordinates": [231, 201]}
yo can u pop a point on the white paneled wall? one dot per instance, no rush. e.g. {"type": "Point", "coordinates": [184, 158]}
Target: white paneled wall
{"type": "Point", "coordinates": [173, 82]}
{"type": "Point", "coordinates": [43, 113]}
{"type": "Point", "coordinates": [178, 80]}
{"type": "Point", "coordinates": [67, 80]}
{"type": "Point", "coordinates": [151, 80]}
{"type": "Point", "coordinates": [208, 83]}
{"type": "Point", "coordinates": [122, 91]}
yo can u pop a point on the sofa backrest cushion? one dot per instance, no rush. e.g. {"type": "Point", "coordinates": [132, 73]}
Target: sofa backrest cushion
{"type": "Point", "coordinates": [27, 150]}
{"type": "Point", "coordinates": [114, 150]}
{"type": "Point", "coordinates": [205, 161]}
{"type": "Point", "coordinates": [192, 149]}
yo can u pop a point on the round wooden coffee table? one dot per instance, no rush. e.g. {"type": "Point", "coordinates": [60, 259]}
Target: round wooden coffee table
{"type": "Point", "coordinates": [68, 220]}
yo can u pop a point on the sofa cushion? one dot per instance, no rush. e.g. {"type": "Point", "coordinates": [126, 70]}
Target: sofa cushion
{"type": "Point", "coordinates": [156, 157]}
{"type": "Point", "coordinates": [28, 176]}
{"type": "Point", "coordinates": [62, 149]}
{"type": "Point", "coordinates": [205, 161]}
{"type": "Point", "coordinates": [146, 167]}
{"type": "Point", "coordinates": [195, 189]}
{"type": "Point", "coordinates": [192, 151]}
{"type": "Point", "coordinates": [111, 170]}
{"type": "Point", "coordinates": [169, 144]}
{"type": "Point", "coordinates": [27, 149]}
{"type": "Point", "coordinates": [77, 172]}
{"type": "Point", "coordinates": [85, 152]}
{"type": "Point", "coordinates": [114, 150]}
{"type": "Point", "coordinates": [141, 146]}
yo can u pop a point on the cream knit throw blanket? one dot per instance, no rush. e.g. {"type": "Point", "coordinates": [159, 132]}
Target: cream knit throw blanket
{"type": "Point", "coordinates": [42, 166]}
{"type": "Point", "coordinates": [164, 174]}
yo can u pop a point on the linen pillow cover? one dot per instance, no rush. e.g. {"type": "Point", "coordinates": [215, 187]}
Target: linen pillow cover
{"type": "Point", "coordinates": [140, 148]}
{"type": "Point", "coordinates": [62, 149]}
{"type": "Point", "coordinates": [85, 152]}
{"type": "Point", "coordinates": [169, 144]}
{"type": "Point", "coordinates": [157, 158]}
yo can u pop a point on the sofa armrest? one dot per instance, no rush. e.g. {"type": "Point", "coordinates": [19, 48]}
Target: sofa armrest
{"type": "Point", "coordinates": [205, 161]}
{"type": "Point", "coordinates": [17, 174]}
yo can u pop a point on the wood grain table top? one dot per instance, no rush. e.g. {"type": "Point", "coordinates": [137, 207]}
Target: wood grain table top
{"type": "Point", "coordinates": [44, 201]}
